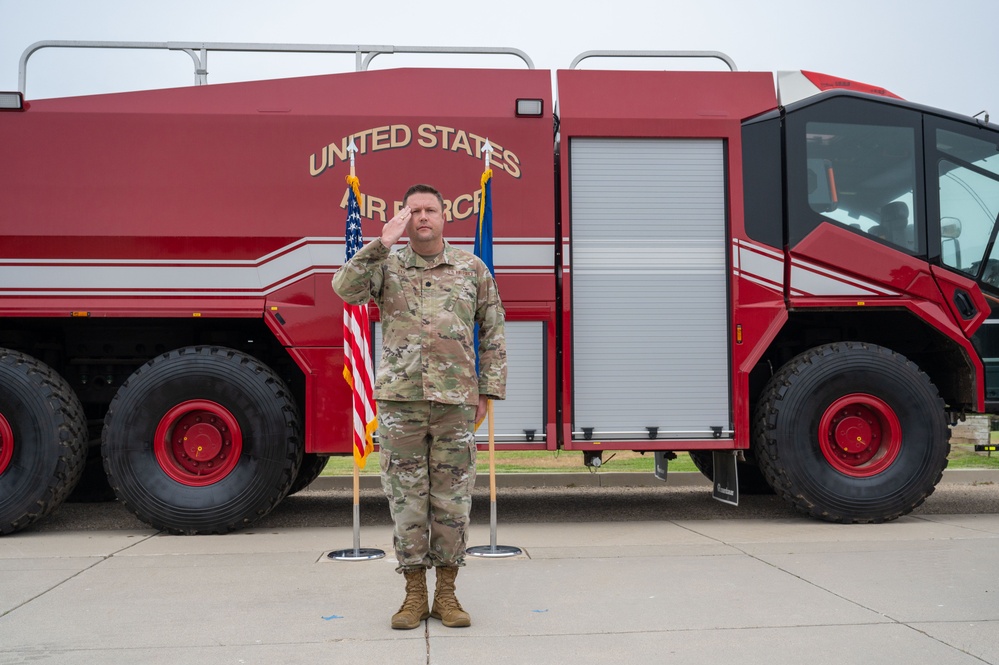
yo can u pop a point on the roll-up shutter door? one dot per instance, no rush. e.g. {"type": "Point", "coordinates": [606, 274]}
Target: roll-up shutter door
{"type": "Point", "coordinates": [649, 294]}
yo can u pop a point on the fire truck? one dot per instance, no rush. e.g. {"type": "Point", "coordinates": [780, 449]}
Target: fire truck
{"type": "Point", "coordinates": [787, 277]}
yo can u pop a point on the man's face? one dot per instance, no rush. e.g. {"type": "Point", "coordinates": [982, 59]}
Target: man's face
{"type": "Point", "coordinates": [426, 226]}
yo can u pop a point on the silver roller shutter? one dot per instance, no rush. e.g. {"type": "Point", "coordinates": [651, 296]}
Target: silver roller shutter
{"type": "Point", "coordinates": [523, 408]}
{"type": "Point", "coordinates": [649, 299]}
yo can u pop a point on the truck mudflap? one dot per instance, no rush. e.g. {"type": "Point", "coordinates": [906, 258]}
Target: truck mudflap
{"type": "Point", "coordinates": [725, 485]}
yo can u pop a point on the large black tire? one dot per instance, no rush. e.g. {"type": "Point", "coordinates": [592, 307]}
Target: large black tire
{"type": "Point", "coordinates": [751, 480]}
{"type": "Point", "coordinates": [312, 465]}
{"type": "Point", "coordinates": [202, 440]}
{"type": "Point", "coordinates": [851, 432]}
{"type": "Point", "coordinates": [42, 440]}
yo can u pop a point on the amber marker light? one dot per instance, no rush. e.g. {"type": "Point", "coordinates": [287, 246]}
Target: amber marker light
{"type": "Point", "coordinates": [738, 333]}
{"type": "Point", "coordinates": [80, 315]}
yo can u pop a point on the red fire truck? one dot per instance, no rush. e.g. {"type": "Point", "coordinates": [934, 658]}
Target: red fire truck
{"type": "Point", "coordinates": [789, 281]}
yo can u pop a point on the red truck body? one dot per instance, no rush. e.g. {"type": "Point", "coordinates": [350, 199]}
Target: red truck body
{"type": "Point", "coordinates": [656, 277]}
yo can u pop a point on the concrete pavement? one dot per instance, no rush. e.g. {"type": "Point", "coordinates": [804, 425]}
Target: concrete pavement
{"type": "Point", "coordinates": [921, 589]}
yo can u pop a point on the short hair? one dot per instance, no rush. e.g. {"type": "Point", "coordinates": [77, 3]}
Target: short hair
{"type": "Point", "coordinates": [424, 189]}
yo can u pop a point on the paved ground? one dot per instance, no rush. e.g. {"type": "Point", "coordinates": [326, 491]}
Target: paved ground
{"type": "Point", "coordinates": [772, 590]}
{"type": "Point", "coordinates": [581, 497]}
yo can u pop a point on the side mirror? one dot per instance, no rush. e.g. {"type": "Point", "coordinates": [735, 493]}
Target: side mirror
{"type": "Point", "coordinates": [950, 227]}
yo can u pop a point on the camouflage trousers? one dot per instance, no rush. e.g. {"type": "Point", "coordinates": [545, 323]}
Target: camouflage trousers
{"type": "Point", "coordinates": [428, 472]}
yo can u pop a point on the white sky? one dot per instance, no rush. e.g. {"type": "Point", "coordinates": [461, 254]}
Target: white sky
{"type": "Point", "coordinates": [943, 54]}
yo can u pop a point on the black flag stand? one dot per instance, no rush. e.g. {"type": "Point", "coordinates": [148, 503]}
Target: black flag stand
{"type": "Point", "coordinates": [492, 550]}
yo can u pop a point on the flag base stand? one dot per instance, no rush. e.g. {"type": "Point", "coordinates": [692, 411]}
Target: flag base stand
{"type": "Point", "coordinates": [356, 553]}
{"type": "Point", "coordinates": [493, 551]}
{"type": "Point", "coordinates": [359, 554]}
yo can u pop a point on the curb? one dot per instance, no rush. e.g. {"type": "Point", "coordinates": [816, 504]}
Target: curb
{"type": "Point", "coordinates": [615, 479]}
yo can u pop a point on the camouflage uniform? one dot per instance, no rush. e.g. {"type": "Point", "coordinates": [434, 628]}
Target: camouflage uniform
{"type": "Point", "coordinates": [427, 388]}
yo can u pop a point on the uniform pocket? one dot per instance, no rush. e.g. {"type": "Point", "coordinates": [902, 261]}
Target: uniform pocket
{"type": "Point", "coordinates": [398, 293]}
{"type": "Point", "coordinates": [464, 293]}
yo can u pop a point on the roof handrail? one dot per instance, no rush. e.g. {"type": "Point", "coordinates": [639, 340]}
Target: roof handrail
{"type": "Point", "coordinates": [363, 53]}
{"type": "Point", "coordinates": [654, 54]}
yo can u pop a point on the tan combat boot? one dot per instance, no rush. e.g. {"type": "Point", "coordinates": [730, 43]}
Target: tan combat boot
{"type": "Point", "coordinates": [446, 606]}
{"type": "Point", "coordinates": [415, 608]}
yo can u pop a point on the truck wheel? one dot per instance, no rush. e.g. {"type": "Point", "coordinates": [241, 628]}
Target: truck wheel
{"type": "Point", "coordinates": [42, 440]}
{"type": "Point", "coordinates": [852, 432]}
{"type": "Point", "coordinates": [312, 465]}
{"type": "Point", "coordinates": [202, 440]}
{"type": "Point", "coordinates": [751, 480]}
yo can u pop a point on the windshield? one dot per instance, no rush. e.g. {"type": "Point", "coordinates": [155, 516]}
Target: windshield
{"type": "Point", "coordinates": [968, 173]}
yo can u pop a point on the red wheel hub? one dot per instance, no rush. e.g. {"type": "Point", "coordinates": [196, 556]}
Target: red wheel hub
{"type": "Point", "coordinates": [860, 435]}
{"type": "Point", "coordinates": [198, 443]}
{"type": "Point", "coordinates": [6, 444]}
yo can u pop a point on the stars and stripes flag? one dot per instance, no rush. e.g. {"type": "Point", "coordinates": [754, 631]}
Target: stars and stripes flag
{"type": "Point", "coordinates": [357, 366]}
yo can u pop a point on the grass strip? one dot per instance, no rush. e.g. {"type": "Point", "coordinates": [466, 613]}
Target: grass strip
{"type": "Point", "coordinates": [962, 456]}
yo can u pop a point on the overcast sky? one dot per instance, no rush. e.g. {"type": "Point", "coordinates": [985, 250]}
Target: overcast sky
{"type": "Point", "coordinates": [936, 52]}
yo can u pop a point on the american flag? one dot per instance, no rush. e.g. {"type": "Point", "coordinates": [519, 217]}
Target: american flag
{"type": "Point", "coordinates": [356, 346]}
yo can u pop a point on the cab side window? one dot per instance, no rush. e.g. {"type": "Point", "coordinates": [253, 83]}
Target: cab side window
{"type": "Point", "coordinates": [856, 167]}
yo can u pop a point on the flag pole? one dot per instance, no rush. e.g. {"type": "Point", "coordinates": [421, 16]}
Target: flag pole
{"type": "Point", "coordinates": [492, 550]}
{"type": "Point", "coordinates": [492, 475]}
{"type": "Point", "coordinates": [357, 509]}
{"type": "Point", "coordinates": [358, 553]}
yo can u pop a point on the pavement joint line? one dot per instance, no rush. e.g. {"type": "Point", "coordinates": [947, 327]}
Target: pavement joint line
{"type": "Point", "coordinates": [100, 558]}
{"type": "Point", "coordinates": [930, 518]}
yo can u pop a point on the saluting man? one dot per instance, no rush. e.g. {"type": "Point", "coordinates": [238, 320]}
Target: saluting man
{"type": "Point", "coordinates": [430, 295]}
